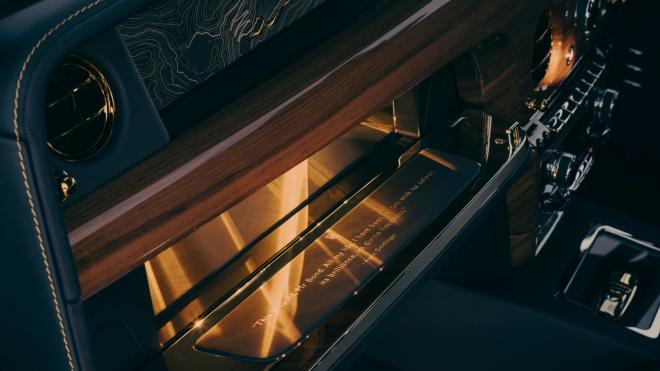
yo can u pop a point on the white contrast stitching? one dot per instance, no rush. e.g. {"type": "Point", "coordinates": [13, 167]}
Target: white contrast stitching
{"type": "Point", "coordinates": [26, 184]}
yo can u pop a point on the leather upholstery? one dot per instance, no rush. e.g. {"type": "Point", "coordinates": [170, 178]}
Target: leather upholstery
{"type": "Point", "coordinates": [35, 248]}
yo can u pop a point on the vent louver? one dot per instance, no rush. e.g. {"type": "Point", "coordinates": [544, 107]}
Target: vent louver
{"type": "Point", "coordinates": [80, 110]}
{"type": "Point", "coordinates": [542, 51]}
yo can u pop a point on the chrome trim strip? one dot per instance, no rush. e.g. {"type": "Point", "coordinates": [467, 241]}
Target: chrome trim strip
{"type": "Point", "coordinates": [603, 228]}
{"type": "Point", "coordinates": [548, 229]}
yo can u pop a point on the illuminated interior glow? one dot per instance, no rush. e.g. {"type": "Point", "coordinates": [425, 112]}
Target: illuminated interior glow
{"type": "Point", "coordinates": [562, 42]}
{"type": "Point", "coordinates": [331, 255]}
{"type": "Point", "coordinates": [183, 265]}
{"type": "Point", "coordinates": [158, 301]}
{"type": "Point", "coordinates": [295, 187]}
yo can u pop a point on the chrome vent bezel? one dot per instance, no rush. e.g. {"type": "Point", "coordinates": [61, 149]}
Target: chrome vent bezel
{"type": "Point", "coordinates": [80, 110]}
{"type": "Point", "coordinates": [542, 51]}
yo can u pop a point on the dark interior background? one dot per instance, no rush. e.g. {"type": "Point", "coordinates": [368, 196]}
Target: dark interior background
{"type": "Point", "coordinates": [627, 175]}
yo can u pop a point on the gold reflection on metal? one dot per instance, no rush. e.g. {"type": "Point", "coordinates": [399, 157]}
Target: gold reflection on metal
{"type": "Point", "coordinates": [383, 120]}
{"type": "Point", "coordinates": [331, 255]}
{"type": "Point", "coordinates": [514, 137]}
{"type": "Point", "coordinates": [66, 184]}
{"type": "Point", "coordinates": [188, 261]}
{"type": "Point", "coordinates": [80, 110]}
{"type": "Point", "coordinates": [381, 210]}
{"type": "Point", "coordinates": [157, 299]}
{"type": "Point", "coordinates": [366, 256]}
{"type": "Point", "coordinates": [199, 323]}
{"type": "Point", "coordinates": [439, 160]}
{"type": "Point", "coordinates": [183, 265]}
{"type": "Point", "coordinates": [234, 233]}
{"type": "Point", "coordinates": [562, 54]}
{"type": "Point", "coordinates": [180, 267]}
{"type": "Point", "coordinates": [294, 192]}
{"type": "Point", "coordinates": [262, 24]}
{"type": "Point", "coordinates": [312, 284]}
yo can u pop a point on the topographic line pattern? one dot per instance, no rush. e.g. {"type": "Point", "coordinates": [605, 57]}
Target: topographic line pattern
{"type": "Point", "coordinates": [178, 44]}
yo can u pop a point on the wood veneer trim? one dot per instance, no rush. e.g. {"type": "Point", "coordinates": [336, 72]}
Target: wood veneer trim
{"type": "Point", "coordinates": [284, 121]}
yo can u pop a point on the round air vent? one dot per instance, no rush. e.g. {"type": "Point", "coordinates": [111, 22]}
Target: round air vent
{"type": "Point", "coordinates": [542, 51]}
{"type": "Point", "coordinates": [585, 15]}
{"type": "Point", "coordinates": [80, 110]}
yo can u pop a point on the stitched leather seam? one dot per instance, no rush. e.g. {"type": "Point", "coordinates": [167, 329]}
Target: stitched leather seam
{"type": "Point", "coordinates": [28, 188]}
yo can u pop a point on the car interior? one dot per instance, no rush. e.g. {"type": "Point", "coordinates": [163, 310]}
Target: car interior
{"type": "Point", "coordinates": [329, 184]}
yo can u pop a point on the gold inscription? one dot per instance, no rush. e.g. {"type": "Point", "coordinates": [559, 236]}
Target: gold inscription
{"type": "Point", "coordinates": [364, 247]}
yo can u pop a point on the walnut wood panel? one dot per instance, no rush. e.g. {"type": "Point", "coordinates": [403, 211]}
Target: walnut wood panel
{"type": "Point", "coordinates": [522, 200]}
{"type": "Point", "coordinates": [492, 77]}
{"type": "Point", "coordinates": [495, 78]}
{"type": "Point", "coordinates": [269, 130]}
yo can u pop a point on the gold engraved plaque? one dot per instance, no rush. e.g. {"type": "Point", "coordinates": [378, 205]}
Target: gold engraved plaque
{"type": "Point", "coordinates": [310, 287]}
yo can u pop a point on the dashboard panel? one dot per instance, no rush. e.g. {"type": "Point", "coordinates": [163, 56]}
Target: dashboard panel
{"type": "Point", "coordinates": [288, 170]}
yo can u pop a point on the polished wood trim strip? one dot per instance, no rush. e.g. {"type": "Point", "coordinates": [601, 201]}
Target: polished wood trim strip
{"type": "Point", "coordinates": [280, 123]}
{"type": "Point", "coordinates": [490, 76]}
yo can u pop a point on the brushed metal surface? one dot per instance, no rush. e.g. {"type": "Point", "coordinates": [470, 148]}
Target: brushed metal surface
{"type": "Point", "coordinates": [286, 307]}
